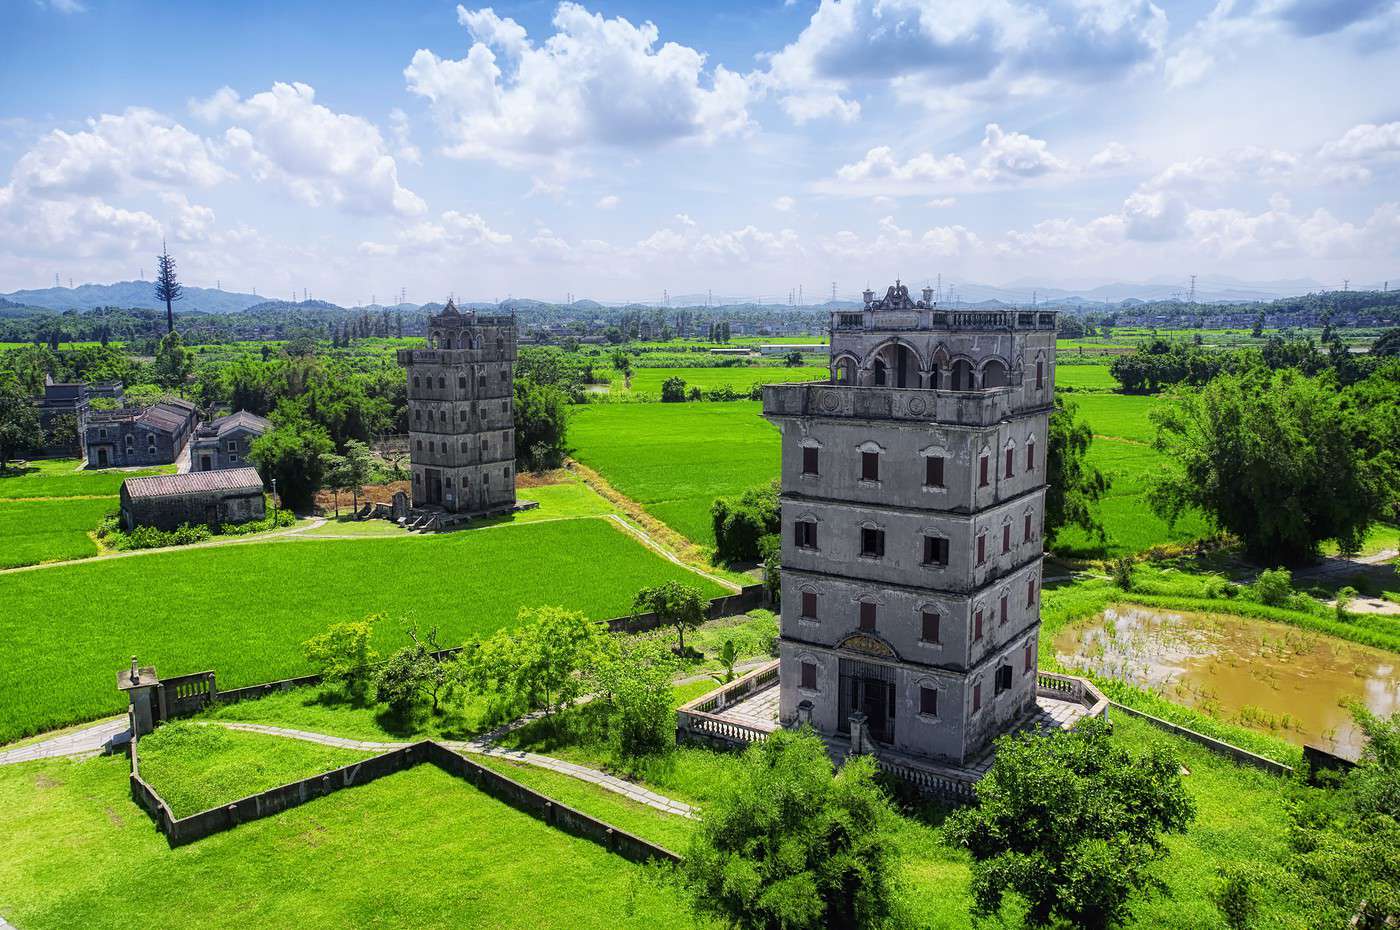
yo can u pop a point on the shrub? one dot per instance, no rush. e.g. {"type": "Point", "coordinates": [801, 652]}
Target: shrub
{"type": "Point", "coordinates": [693, 394]}
{"type": "Point", "coordinates": [724, 392]}
{"type": "Point", "coordinates": [1344, 599]}
{"type": "Point", "coordinates": [1235, 898]}
{"type": "Point", "coordinates": [635, 674]}
{"type": "Point", "coordinates": [673, 390]}
{"type": "Point", "coordinates": [1122, 570]}
{"type": "Point", "coordinates": [1274, 587]}
{"type": "Point", "coordinates": [770, 547]}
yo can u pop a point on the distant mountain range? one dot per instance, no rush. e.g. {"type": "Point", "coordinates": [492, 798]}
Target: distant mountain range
{"type": "Point", "coordinates": [1209, 289]}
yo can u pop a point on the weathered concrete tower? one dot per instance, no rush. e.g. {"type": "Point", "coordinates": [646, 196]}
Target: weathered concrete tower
{"type": "Point", "coordinates": [913, 491]}
{"type": "Point", "coordinates": [461, 419]}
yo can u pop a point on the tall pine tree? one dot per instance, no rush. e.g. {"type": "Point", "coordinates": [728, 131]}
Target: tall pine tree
{"type": "Point", "coordinates": [168, 286]}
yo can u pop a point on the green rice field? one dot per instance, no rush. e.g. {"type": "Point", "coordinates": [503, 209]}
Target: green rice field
{"type": "Point", "coordinates": [1085, 377]}
{"type": "Point", "coordinates": [244, 609]}
{"type": "Point", "coordinates": [648, 380]}
{"type": "Point", "coordinates": [60, 478]}
{"type": "Point", "coordinates": [49, 530]}
{"type": "Point", "coordinates": [675, 459]}
{"type": "Point", "coordinates": [80, 853]}
{"type": "Point", "coordinates": [650, 453]}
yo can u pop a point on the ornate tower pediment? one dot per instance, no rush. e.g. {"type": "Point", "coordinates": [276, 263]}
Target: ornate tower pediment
{"type": "Point", "coordinates": [868, 644]}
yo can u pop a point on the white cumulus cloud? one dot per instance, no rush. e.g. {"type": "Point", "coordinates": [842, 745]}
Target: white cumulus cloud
{"type": "Point", "coordinates": [594, 82]}
{"type": "Point", "coordinates": [284, 136]}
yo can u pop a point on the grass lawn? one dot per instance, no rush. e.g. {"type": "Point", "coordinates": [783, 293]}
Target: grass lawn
{"type": "Point", "coordinates": [675, 459]}
{"type": "Point", "coordinates": [243, 610]}
{"type": "Point", "coordinates": [648, 380]}
{"type": "Point", "coordinates": [196, 767]}
{"type": "Point", "coordinates": [80, 853]}
{"type": "Point", "coordinates": [49, 530]}
{"type": "Point", "coordinates": [58, 478]}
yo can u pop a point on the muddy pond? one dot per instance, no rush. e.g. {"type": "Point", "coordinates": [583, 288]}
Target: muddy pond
{"type": "Point", "coordinates": [1268, 676]}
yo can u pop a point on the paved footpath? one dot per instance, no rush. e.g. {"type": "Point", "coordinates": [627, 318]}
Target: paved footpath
{"type": "Point", "coordinates": [483, 747]}
{"type": "Point", "coordinates": [88, 741]}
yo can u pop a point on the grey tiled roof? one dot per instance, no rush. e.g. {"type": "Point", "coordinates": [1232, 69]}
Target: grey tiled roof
{"type": "Point", "coordinates": [249, 421]}
{"type": "Point", "coordinates": [224, 479]}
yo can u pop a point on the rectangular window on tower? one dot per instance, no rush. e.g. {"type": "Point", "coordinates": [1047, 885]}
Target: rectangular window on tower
{"type": "Point", "coordinates": [1030, 456]}
{"type": "Point", "coordinates": [935, 551]}
{"type": "Point", "coordinates": [809, 460]}
{"type": "Point", "coordinates": [805, 534]}
{"type": "Point", "coordinates": [1005, 538]}
{"type": "Point", "coordinates": [870, 466]}
{"type": "Point", "coordinates": [872, 543]}
{"type": "Point", "coordinates": [809, 676]}
{"type": "Point", "coordinates": [976, 697]}
{"type": "Point", "coordinates": [867, 615]}
{"type": "Point", "coordinates": [809, 605]}
{"type": "Point", "coordinates": [1030, 591]}
{"type": "Point", "coordinates": [933, 471]}
{"type": "Point", "coordinates": [983, 472]}
{"type": "Point", "coordinates": [981, 548]}
{"type": "Point", "coordinates": [1005, 609]}
{"type": "Point", "coordinates": [1010, 462]}
{"type": "Point", "coordinates": [928, 701]}
{"type": "Point", "coordinates": [930, 631]}
{"type": "Point", "coordinates": [1028, 529]}
{"type": "Point", "coordinates": [977, 626]}
{"type": "Point", "coordinates": [1030, 658]}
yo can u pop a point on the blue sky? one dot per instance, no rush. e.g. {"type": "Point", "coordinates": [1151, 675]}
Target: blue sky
{"type": "Point", "coordinates": [614, 150]}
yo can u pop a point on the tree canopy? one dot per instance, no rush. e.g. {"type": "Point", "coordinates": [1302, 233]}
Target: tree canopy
{"type": "Point", "coordinates": [1074, 486]}
{"type": "Point", "coordinates": [788, 844]}
{"type": "Point", "coordinates": [1281, 460]}
{"type": "Point", "coordinates": [1070, 823]}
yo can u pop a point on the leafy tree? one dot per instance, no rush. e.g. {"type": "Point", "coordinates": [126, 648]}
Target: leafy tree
{"type": "Point", "coordinates": [1275, 460]}
{"type": "Point", "coordinates": [342, 654]}
{"type": "Point", "coordinates": [673, 390]}
{"type": "Point", "coordinates": [19, 423]}
{"type": "Point", "coordinates": [168, 287]}
{"type": "Point", "coordinates": [335, 474]}
{"type": "Point", "coordinates": [635, 675]}
{"type": "Point", "coordinates": [1071, 824]}
{"type": "Point", "coordinates": [785, 844]}
{"type": "Point", "coordinates": [1074, 486]}
{"type": "Point", "coordinates": [675, 604]}
{"type": "Point", "coordinates": [537, 663]}
{"type": "Point", "coordinates": [63, 432]}
{"type": "Point", "coordinates": [413, 674]}
{"type": "Point", "coordinates": [291, 452]}
{"type": "Point", "coordinates": [771, 548]}
{"type": "Point", "coordinates": [741, 523]}
{"type": "Point", "coordinates": [174, 362]}
{"type": "Point", "coordinates": [1346, 840]}
{"type": "Point", "coordinates": [1388, 343]}
{"type": "Point", "coordinates": [1274, 587]}
{"type": "Point", "coordinates": [359, 468]}
{"type": "Point", "coordinates": [793, 360]}
{"type": "Point", "coordinates": [622, 362]}
{"type": "Point", "coordinates": [541, 424]}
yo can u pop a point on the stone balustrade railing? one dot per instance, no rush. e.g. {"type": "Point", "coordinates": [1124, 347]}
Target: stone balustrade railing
{"type": "Point", "coordinates": [1072, 688]}
{"type": "Point", "coordinates": [698, 721]}
{"type": "Point", "coordinates": [823, 398]}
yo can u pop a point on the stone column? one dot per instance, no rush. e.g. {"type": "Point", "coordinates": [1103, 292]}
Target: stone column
{"type": "Point", "coordinates": [140, 685]}
{"type": "Point", "coordinates": [861, 743]}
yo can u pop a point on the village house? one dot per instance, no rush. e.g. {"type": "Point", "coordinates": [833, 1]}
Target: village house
{"type": "Point", "coordinates": [227, 495]}
{"type": "Point", "coordinates": [226, 442]}
{"type": "Point", "coordinates": [72, 399]}
{"type": "Point", "coordinates": [156, 435]}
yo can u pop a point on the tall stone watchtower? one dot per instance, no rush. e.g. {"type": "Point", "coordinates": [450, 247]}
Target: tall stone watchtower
{"type": "Point", "coordinates": [913, 492]}
{"type": "Point", "coordinates": [461, 418]}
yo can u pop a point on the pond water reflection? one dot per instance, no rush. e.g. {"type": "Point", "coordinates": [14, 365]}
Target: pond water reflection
{"type": "Point", "coordinates": [1268, 676]}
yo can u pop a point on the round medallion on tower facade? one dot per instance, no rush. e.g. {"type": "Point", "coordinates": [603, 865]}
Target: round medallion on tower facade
{"type": "Point", "coordinates": [917, 406]}
{"type": "Point", "coordinates": [828, 401]}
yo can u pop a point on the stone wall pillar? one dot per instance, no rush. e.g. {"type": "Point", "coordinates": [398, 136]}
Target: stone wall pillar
{"type": "Point", "coordinates": [141, 685]}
